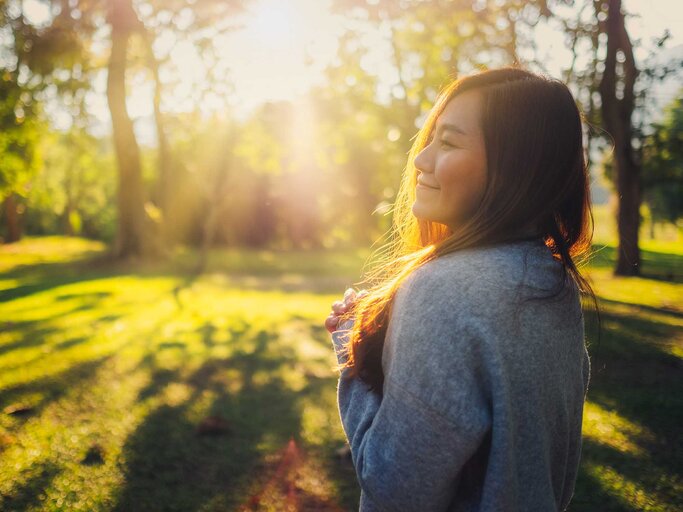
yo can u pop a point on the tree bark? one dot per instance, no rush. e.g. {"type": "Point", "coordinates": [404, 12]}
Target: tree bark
{"type": "Point", "coordinates": [165, 164]}
{"type": "Point", "coordinates": [134, 233]}
{"type": "Point", "coordinates": [618, 99]}
{"type": "Point", "coordinates": [11, 219]}
{"type": "Point", "coordinates": [68, 191]}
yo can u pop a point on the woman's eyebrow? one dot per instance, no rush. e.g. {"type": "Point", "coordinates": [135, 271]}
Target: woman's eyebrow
{"type": "Point", "coordinates": [451, 128]}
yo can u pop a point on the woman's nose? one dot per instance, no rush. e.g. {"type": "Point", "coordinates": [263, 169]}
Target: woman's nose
{"type": "Point", "coordinates": [423, 161]}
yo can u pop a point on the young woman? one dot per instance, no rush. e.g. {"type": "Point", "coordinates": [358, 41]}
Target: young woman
{"type": "Point", "coordinates": [463, 368]}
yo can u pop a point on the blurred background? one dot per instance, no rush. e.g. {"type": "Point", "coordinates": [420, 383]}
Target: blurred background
{"type": "Point", "coordinates": [186, 186]}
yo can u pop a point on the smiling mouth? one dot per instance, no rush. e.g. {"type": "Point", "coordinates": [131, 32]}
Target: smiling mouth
{"type": "Point", "coordinates": [423, 185]}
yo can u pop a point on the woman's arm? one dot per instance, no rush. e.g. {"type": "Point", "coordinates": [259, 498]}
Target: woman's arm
{"type": "Point", "coordinates": [409, 445]}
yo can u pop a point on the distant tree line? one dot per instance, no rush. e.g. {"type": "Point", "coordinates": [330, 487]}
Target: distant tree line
{"type": "Point", "coordinates": [316, 173]}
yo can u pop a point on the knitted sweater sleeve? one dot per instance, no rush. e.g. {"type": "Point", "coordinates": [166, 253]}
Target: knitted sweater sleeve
{"type": "Point", "coordinates": [410, 443]}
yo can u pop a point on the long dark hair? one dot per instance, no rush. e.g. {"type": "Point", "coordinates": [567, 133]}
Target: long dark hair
{"type": "Point", "coordinates": [536, 176]}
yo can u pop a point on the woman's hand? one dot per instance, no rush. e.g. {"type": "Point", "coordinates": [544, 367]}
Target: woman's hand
{"type": "Point", "coordinates": [341, 307]}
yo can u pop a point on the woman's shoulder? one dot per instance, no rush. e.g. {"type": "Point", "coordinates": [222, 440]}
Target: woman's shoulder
{"type": "Point", "coordinates": [481, 290]}
{"type": "Point", "coordinates": [491, 271]}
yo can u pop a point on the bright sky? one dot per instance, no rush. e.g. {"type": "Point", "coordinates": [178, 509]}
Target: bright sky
{"type": "Point", "coordinates": [283, 48]}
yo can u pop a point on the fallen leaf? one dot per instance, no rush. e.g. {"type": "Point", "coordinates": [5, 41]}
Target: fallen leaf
{"type": "Point", "coordinates": [213, 426]}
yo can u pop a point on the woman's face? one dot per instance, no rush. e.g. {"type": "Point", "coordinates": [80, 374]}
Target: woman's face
{"type": "Point", "coordinates": [452, 168]}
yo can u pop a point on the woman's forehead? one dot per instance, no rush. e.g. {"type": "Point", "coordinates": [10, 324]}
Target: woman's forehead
{"type": "Point", "coordinates": [461, 114]}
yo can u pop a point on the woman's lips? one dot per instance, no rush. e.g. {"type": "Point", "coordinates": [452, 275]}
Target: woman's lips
{"type": "Point", "coordinates": [424, 185]}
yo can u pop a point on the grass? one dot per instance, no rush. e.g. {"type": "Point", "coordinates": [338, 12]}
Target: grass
{"type": "Point", "coordinates": [130, 387]}
{"type": "Point", "coordinates": [106, 377]}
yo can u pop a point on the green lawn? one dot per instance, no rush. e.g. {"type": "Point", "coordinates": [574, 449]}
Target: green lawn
{"type": "Point", "coordinates": [131, 387]}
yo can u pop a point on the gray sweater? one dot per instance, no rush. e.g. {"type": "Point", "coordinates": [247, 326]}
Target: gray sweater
{"type": "Point", "coordinates": [483, 395]}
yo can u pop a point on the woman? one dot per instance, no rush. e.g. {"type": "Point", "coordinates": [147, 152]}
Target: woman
{"type": "Point", "coordinates": [464, 368]}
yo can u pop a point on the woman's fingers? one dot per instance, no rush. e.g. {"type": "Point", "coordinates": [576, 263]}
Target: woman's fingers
{"type": "Point", "coordinates": [339, 307]}
{"type": "Point", "coordinates": [331, 323]}
{"type": "Point", "coordinates": [349, 296]}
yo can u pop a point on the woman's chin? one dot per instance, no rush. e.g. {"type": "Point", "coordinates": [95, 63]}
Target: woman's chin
{"type": "Point", "coordinates": [420, 211]}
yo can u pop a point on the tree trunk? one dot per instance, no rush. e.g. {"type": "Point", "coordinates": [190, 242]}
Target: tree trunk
{"type": "Point", "coordinates": [617, 96]}
{"type": "Point", "coordinates": [165, 162]}
{"type": "Point", "coordinates": [68, 191]}
{"type": "Point", "coordinates": [11, 219]}
{"type": "Point", "coordinates": [134, 233]}
{"type": "Point", "coordinates": [164, 179]}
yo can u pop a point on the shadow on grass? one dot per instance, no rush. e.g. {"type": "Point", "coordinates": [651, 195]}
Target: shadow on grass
{"type": "Point", "coordinates": [32, 335]}
{"type": "Point", "coordinates": [655, 265]}
{"type": "Point", "coordinates": [33, 396]}
{"type": "Point", "coordinates": [89, 302]}
{"type": "Point", "coordinates": [46, 276]}
{"type": "Point", "coordinates": [644, 309]}
{"type": "Point", "coordinates": [170, 466]}
{"type": "Point", "coordinates": [64, 345]}
{"type": "Point", "coordinates": [28, 495]}
{"type": "Point", "coordinates": [633, 375]}
{"type": "Point", "coordinates": [38, 393]}
{"type": "Point", "coordinates": [631, 336]}
{"type": "Point", "coordinates": [601, 490]}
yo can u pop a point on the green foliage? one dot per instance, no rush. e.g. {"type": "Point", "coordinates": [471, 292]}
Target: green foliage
{"type": "Point", "coordinates": [663, 165]}
{"type": "Point", "coordinates": [316, 173]}
{"type": "Point", "coordinates": [20, 131]}
{"type": "Point", "coordinates": [295, 175]}
{"type": "Point", "coordinates": [74, 192]}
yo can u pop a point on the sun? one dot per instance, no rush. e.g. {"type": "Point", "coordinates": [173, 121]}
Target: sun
{"type": "Point", "coordinates": [274, 24]}
{"type": "Point", "coordinates": [278, 51]}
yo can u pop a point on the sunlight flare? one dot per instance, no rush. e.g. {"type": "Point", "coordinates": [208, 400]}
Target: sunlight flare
{"type": "Point", "coordinates": [274, 24]}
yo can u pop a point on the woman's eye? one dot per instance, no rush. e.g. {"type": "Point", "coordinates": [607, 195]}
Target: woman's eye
{"type": "Point", "coordinates": [447, 144]}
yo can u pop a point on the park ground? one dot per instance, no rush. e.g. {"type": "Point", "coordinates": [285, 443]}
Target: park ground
{"type": "Point", "coordinates": [131, 387]}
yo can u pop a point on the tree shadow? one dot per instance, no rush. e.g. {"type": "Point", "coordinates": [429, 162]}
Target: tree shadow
{"type": "Point", "coordinates": [633, 375]}
{"type": "Point", "coordinates": [28, 495]}
{"type": "Point", "coordinates": [594, 493]}
{"type": "Point", "coordinates": [643, 308]}
{"type": "Point", "coordinates": [45, 276]}
{"type": "Point", "coordinates": [33, 396]}
{"type": "Point", "coordinates": [41, 277]}
{"type": "Point", "coordinates": [627, 334]}
{"type": "Point", "coordinates": [169, 465]}
{"type": "Point", "coordinates": [33, 331]}
{"type": "Point", "coordinates": [64, 345]}
{"type": "Point", "coordinates": [208, 332]}
{"type": "Point", "coordinates": [32, 335]}
{"type": "Point", "coordinates": [159, 380]}
{"type": "Point", "coordinates": [38, 393]}
{"type": "Point", "coordinates": [655, 265]}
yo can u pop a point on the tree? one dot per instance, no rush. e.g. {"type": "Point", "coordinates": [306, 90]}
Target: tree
{"type": "Point", "coordinates": [135, 234]}
{"type": "Point", "coordinates": [62, 45]}
{"type": "Point", "coordinates": [430, 43]}
{"type": "Point", "coordinates": [75, 191]}
{"type": "Point", "coordinates": [608, 84]}
{"type": "Point", "coordinates": [35, 59]}
{"type": "Point", "coordinates": [138, 234]}
{"type": "Point", "coordinates": [19, 156]}
{"type": "Point", "coordinates": [617, 97]}
{"type": "Point", "coordinates": [21, 52]}
{"type": "Point", "coordinates": [196, 21]}
{"type": "Point", "coordinates": [613, 90]}
{"type": "Point", "coordinates": [663, 165]}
